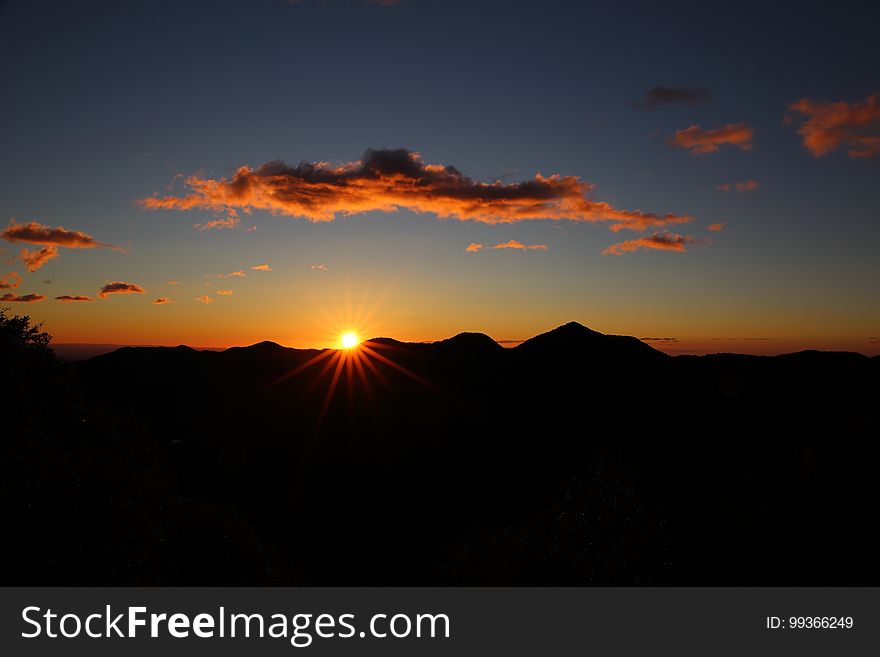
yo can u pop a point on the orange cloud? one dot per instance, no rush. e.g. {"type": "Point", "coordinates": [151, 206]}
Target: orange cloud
{"type": "Point", "coordinates": [700, 142]}
{"type": "Point", "coordinates": [238, 273]}
{"type": "Point", "coordinates": [27, 298]}
{"type": "Point", "coordinates": [388, 180]}
{"type": "Point", "coordinates": [224, 293]}
{"type": "Point", "coordinates": [205, 299]}
{"type": "Point", "coordinates": [513, 244]}
{"type": "Point", "coordinates": [657, 241]}
{"type": "Point", "coordinates": [162, 300]}
{"type": "Point", "coordinates": [118, 287]}
{"type": "Point", "coordinates": [33, 260]}
{"type": "Point", "coordinates": [263, 267]}
{"type": "Point", "coordinates": [173, 283]}
{"type": "Point", "coordinates": [66, 298]}
{"type": "Point", "coordinates": [716, 228]}
{"type": "Point", "coordinates": [745, 186]}
{"type": "Point", "coordinates": [828, 126]}
{"type": "Point", "coordinates": [36, 233]}
{"type": "Point", "coordinates": [219, 224]}
{"type": "Point", "coordinates": [50, 239]}
{"type": "Point", "coordinates": [11, 281]}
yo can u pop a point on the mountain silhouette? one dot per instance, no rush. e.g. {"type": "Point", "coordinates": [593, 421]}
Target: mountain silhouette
{"type": "Point", "coordinates": [573, 458]}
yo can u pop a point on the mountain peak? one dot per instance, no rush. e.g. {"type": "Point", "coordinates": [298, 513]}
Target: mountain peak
{"type": "Point", "coordinates": [469, 341]}
{"type": "Point", "coordinates": [574, 336]}
{"type": "Point", "coordinates": [266, 346]}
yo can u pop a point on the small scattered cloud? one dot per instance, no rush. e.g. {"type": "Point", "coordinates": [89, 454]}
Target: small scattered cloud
{"type": "Point", "coordinates": [225, 293]}
{"type": "Point", "coordinates": [233, 274]}
{"type": "Point", "coordinates": [33, 260]}
{"type": "Point", "coordinates": [701, 142]}
{"type": "Point", "coordinates": [657, 241]}
{"type": "Point", "coordinates": [161, 301]}
{"type": "Point", "coordinates": [67, 298]}
{"type": "Point", "coordinates": [263, 267]}
{"type": "Point", "coordinates": [118, 287]}
{"type": "Point", "coordinates": [744, 186]}
{"type": "Point", "coordinates": [717, 228]}
{"type": "Point", "coordinates": [321, 267]}
{"type": "Point", "coordinates": [205, 299]}
{"type": "Point", "coordinates": [10, 281]}
{"type": "Point", "coordinates": [662, 96]}
{"type": "Point", "coordinates": [474, 247]}
{"type": "Point", "coordinates": [874, 340]}
{"type": "Point", "coordinates": [173, 283]}
{"type": "Point", "coordinates": [27, 298]}
{"type": "Point", "coordinates": [388, 180]}
{"type": "Point", "coordinates": [829, 125]}
{"type": "Point", "coordinates": [660, 340]}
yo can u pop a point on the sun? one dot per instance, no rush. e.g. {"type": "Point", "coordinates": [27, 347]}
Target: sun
{"type": "Point", "coordinates": [349, 340]}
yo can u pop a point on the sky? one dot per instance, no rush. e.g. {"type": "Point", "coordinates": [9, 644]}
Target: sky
{"type": "Point", "coordinates": [221, 173]}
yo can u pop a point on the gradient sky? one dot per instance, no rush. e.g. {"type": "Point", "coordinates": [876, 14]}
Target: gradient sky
{"type": "Point", "coordinates": [107, 104]}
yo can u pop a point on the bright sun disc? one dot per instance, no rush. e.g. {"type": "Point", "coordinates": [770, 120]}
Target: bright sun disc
{"type": "Point", "coordinates": [349, 340]}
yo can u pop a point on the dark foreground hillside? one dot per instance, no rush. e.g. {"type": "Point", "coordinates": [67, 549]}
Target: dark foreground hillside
{"type": "Point", "coordinates": [574, 458]}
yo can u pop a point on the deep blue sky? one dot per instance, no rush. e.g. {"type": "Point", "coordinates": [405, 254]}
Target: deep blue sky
{"type": "Point", "coordinates": [106, 101]}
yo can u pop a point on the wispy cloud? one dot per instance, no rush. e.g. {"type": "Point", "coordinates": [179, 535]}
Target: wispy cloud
{"type": "Point", "coordinates": [161, 301]}
{"type": "Point", "coordinates": [662, 96]}
{"type": "Point", "coordinates": [205, 299]}
{"type": "Point", "coordinates": [173, 283]}
{"type": "Point", "coordinates": [223, 223]}
{"type": "Point", "coordinates": [744, 186]}
{"type": "Point", "coordinates": [657, 241]}
{"type": "Point", "coordinates": [320, 267]}
{"type": "Point", "coordinates": [828, 126]}
{"type": "Point", "coordinates": [225, 293]}
{"type": "Point", "coordinates": [660, 340]}
{"type": "Point", "coordinates": [717, 228]}
{"type": "Point", "coordinates": [10, 281]}
{"type": "Point", "coordinates": [700, 142]}
{"type": "Point", "coordinates": [27, 298]}
{"type": "Point", "coordinates": [234, 274]}
{"type": "Point", "coordinates": [119, 287]}
{"type": "Point", "coordinates": [263, 267]}
{"type": "Point", "coordinates": [511, 244]}
{"type": "Point", "coordinates": [67, 298]}
{"type": "Point", "coordinates": [389, 180]}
